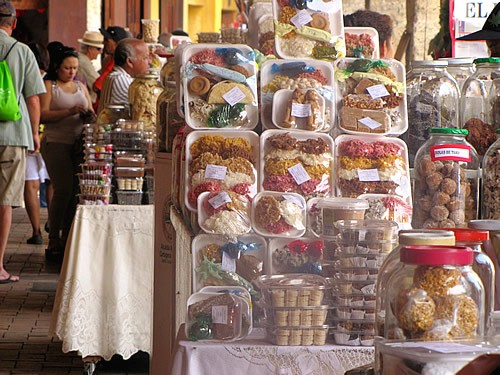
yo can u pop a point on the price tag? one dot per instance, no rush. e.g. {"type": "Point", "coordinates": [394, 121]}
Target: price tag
{"type": "Point", "coordinates": [234, 96]}
{"type": "Point", "coordinates": [455, 152]}
{"type": "Point", "coordinates": [299, 174]}
{"type": "Point", "coordinates": [293, 199]}
{"type": "Point", "coordinates": [216, 172]}
{"type": "Point", "coordinates": [228, 263]}
{"type": "Point", "coordinates": [219, 314]}
{"type": "Point", "coordinates": [301, 18]}
{"type": "Point", "coordinates": [301, 110]}
{"type": "Point", "coordinates": [377, 91]}
{"type": "Point", "coordinates": [219, 200]}
{"type": "Point", "coordinates": [367, 175]}
{"type": "Point", "coordinates": [372, 124]}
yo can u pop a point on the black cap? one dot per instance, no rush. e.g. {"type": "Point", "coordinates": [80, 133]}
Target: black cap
{"type": "Point", "coordinates": [490, 30]}
{"type": "Point", "coordinates": [116, 33]}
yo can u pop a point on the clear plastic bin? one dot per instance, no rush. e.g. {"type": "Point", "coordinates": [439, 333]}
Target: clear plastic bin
{"type": "Point", "coordinates": [128, 197]}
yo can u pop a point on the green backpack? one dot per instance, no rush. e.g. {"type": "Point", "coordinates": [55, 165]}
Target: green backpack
{"type": "Point", "coordinates": [9, 106]}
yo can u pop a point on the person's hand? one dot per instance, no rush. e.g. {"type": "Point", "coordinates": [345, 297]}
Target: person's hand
{"type": "Point", "coordinates": [36, 142]}
{"type": "Point", "coordinates": [77, 109]}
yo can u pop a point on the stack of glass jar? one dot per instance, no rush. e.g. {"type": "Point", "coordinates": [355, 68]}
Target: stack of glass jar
{"type": "Point", "coordinates": [460, 68]}
{"type": "Point", "coordinates": [433, 102]}
{"type": "Point", "coordinates": [95, 179]}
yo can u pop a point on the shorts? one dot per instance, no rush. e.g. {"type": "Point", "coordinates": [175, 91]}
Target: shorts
{"type": "Point", "coordinates": [12, 173]}
{"type": "Point", "coordinates": [35, 168]}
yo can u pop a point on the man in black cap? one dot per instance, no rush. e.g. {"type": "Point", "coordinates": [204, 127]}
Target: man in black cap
{"type": "Point", "coordinates": [112, 35]}
{"type": "Point", "coordinates": [490, 32]}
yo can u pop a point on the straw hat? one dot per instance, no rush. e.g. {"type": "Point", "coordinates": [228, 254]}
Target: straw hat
{"type": "Point", "coordinates": [490, 30]}
{"type": "Point", "coordinates": [92, 38]}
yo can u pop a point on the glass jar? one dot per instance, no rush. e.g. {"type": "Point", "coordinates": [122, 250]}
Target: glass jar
{"type": "Point", "coordinates": [168, 121]}
{"type": "Point", "coordinates": [490, 197]}
{"type": "Point", "coordinates": [435, 295]}
{"type": "Point", "coordinates": [143, 94]}
{"type": "Point", "coordinates": [482, 264]}
{"type": "Point", "coordinates": [433, 99]}
{"type": "Point", "coordinates": [422, 237]}
{"type": "Point", "coordinates": [480, 105]}
{"type": "Point", "coordinates": [446, 180]}
{"type": "Point", "coordinates": [167, 72]}
{"type": "Point", "coordinates": [460, 68]}
{"type": "Point", "coordinates": [112, 113]}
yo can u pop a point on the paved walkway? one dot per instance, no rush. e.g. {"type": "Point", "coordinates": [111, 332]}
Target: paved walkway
{"type": "Point", "coordinates": [25, 312]}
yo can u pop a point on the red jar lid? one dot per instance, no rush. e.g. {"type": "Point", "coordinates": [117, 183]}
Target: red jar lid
{"type": "Point", "coordinates": [470, 235]}
{"type": "Point", "coordinates": [437, 255]}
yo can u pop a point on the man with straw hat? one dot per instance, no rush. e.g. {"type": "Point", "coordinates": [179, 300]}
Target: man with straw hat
{"type": "Point", "coordinates": [490, 32]}
{"type": "Point", "coordinates": [91, 46]}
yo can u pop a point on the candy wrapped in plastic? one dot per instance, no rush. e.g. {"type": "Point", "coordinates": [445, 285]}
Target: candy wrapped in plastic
{"type": "Point", "coordinates": [226, 115]}
{"type": "Point", "coordinates": [297, 256]}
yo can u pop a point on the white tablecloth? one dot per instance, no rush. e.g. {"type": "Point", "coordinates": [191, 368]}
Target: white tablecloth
{"type": "Point", "coordinates": [255, 356]}
{"type": "Point", "coordinates": [103, 303]}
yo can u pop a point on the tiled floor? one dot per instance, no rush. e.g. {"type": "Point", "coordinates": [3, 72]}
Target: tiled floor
{"type": "Point", "coordinates": [25, 312]}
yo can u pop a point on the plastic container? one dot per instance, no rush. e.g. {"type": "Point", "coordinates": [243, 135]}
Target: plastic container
{"type": "Point", "coordinates": [125, 139]}
{"type": "Point", "coordinates": [150, 30]}
{"type": "Point", "coordinates": [277, 75]}
{"type": "Point", "coordinates": [98, 152]}
{"type": "Point", "coordinates": [231, 102]}
{"type": "Point", "coordinates": [97, 133]}
{"type": "Point", "coordinates": [226, 172]}
{"type": "Point", "coordinates": [388, 207]}
{"type": "Point", "coordinates": [371, 96]}
{"type": "Point", "coordinates": [112, 113]}
{"type": "Point", "coordinates": [302, 255]}
{"type": "Point", "coordinates": [129, 160]}
{"type": "Point", "coordinates": [279, 214]}
{"type": "Point", "coordinates": [421, 237]}
{"type": "Point", "coordinates": [352, 232]}
{"type": "Point", "coordinates": [446, 181]}
{"type": "Point", "coordinates": [124, 197]}
{"type": "Point", "coordinates": [150, 183]}
{"type": "Point", "coordinates": [297, 162]}
{"type": "Point", "coordinates": [92, 189]}
{"type": "Point", "coordinates": [96, 169]}
{"type": "Point", "coordinates": [352, 332]}
{"type": "Point", "coordinates": [129, 125]}
{"type": "Point", "coordinates": [460, 68]}
{"type": "Point", "coordinates": [130, 183]}
{"type": "Point", "coordinates": [293, 336]}
{"type": "Point", "coordinates": [225, 213]}
{"type": "Point", "coordinates": [217, 317]}
{"type": "Point", "coordinates": [435, 295]}
{"type": "Point", "coordinates": [93, 200]}
{"type": "Point", "coordinates": [143, 94]}
{"type": "Point", "coordinates": [482, 265]}
{"type": "Point", "coordinates": [362, 42]}
{"type": "Point", "coordinates": [297, 316]}
{"type": "Point", "coordinates": [490, 197]}
{"type": "Point", "coordinates": [322, 213]}
{"type": "Point", "coordinates": [129, 172]}
{"type": "Point", "coordinates": [479, 104]}
{"type": "Point", "coordinates": [433, 102]}
{"type": "Point", "coordinates": [313, 29]}
{"type": "Point", "coordinates": [260, 34]}
{"type": "Point", "coordinates": [251, 262]}
{"type": "Point", "coordinates": [371, 165]}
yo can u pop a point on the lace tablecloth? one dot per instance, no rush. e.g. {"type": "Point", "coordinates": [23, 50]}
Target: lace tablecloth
{"type": "Point", "coordinates": [103, 303]}
{"type": "Point", "coordinates": [254, 355]}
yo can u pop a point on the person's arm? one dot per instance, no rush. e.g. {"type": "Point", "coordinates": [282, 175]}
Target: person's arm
{"type": "Point", "coordinates": [33, 104]}
{"type": "Point", "coordinates": [48, 115]}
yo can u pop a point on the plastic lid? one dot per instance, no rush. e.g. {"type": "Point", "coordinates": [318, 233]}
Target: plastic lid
{"type": "Point", "coordinates": [437, 255]}
{"type": "Point", "coordinates": [426, 237]}
{"type": "Point", "coordinates": [470, 235]}
{"type": "Point", "coordinates": [449, 131]}
{"type": "Point", "coordinates": [343, 203]}
{"type": "Point", "coordinates": [485, 224]}
{"type": "Point", "coordinates": [485, 60]}
{"type": "Point", "coordinates": [429, 63]}
{"type": "Point", "coordinates": [458, 61]}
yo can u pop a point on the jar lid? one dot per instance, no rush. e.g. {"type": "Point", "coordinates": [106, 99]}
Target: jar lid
{"type": "Point", "coordinates": [436, 255]}
{"type": "Point", "coordinates": [485, 224]}
{"type": "Point", "coordinates": [458, 61]}
{"type": "Point", "coordinates": [449, 131]}
{"type": "Point", "coordinates": [429, 63]}
{"type": "Point", "coordinates": [470, 235]}
{"type": "Point", "coordinates": [426, 237]}
{"type": "Point", "coordinates": [483, 60]}
{"type": "Point", "coordinates": [498, 131]}
{"type": "Point", "coordinates": [343, 203]}
{"type": "Point", "coordinates": [115, 106]}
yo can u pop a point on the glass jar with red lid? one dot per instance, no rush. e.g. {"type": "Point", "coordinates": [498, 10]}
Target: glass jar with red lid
{"type": "Point", "coordinates": [435, 295]}
{"type": "Point", "coordinates": [482, 264]}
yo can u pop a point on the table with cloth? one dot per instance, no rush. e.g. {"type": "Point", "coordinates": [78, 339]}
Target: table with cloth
{"type": "Point", "coordinates": [103, 304]}
{"type": "Point", "coordinates": [254, 355]}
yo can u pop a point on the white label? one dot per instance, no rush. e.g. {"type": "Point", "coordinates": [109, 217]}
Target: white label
{"type": "Point", "coordinates": [299, 174]}
{"type": "Point", "coordinates": [453, 348]}
{"type": "Point", "coordinates": [228, 263]}
{"type": "Point", "coordinates": [367, 175]}
{"type": "Point", "coordinates": [216, 172]}
{"type": "Point", "coordinates": [301, 18]}
{"type": "Point", "coordinates": [451, 152]}
{"type": "Point", "coordinates": [234, 96]}
{"type": "Point", "coordinates": [377, 91]}
{"type": "Point", "coordinates": [219, 314]}
{"type": "Point", "coordinates": [301, 110]}
{"type": "Point", "coordinates": [219, 200]}
{"type": "Point", "coordinates": [293, 199]}
{"type": "Point", "coordinates": [372, 124]}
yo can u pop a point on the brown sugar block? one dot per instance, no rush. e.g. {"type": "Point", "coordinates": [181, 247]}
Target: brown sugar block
{"type": "Point", "coordinates": [362, 85]}
{"type": "Point", "coordinates": [349, 120]}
